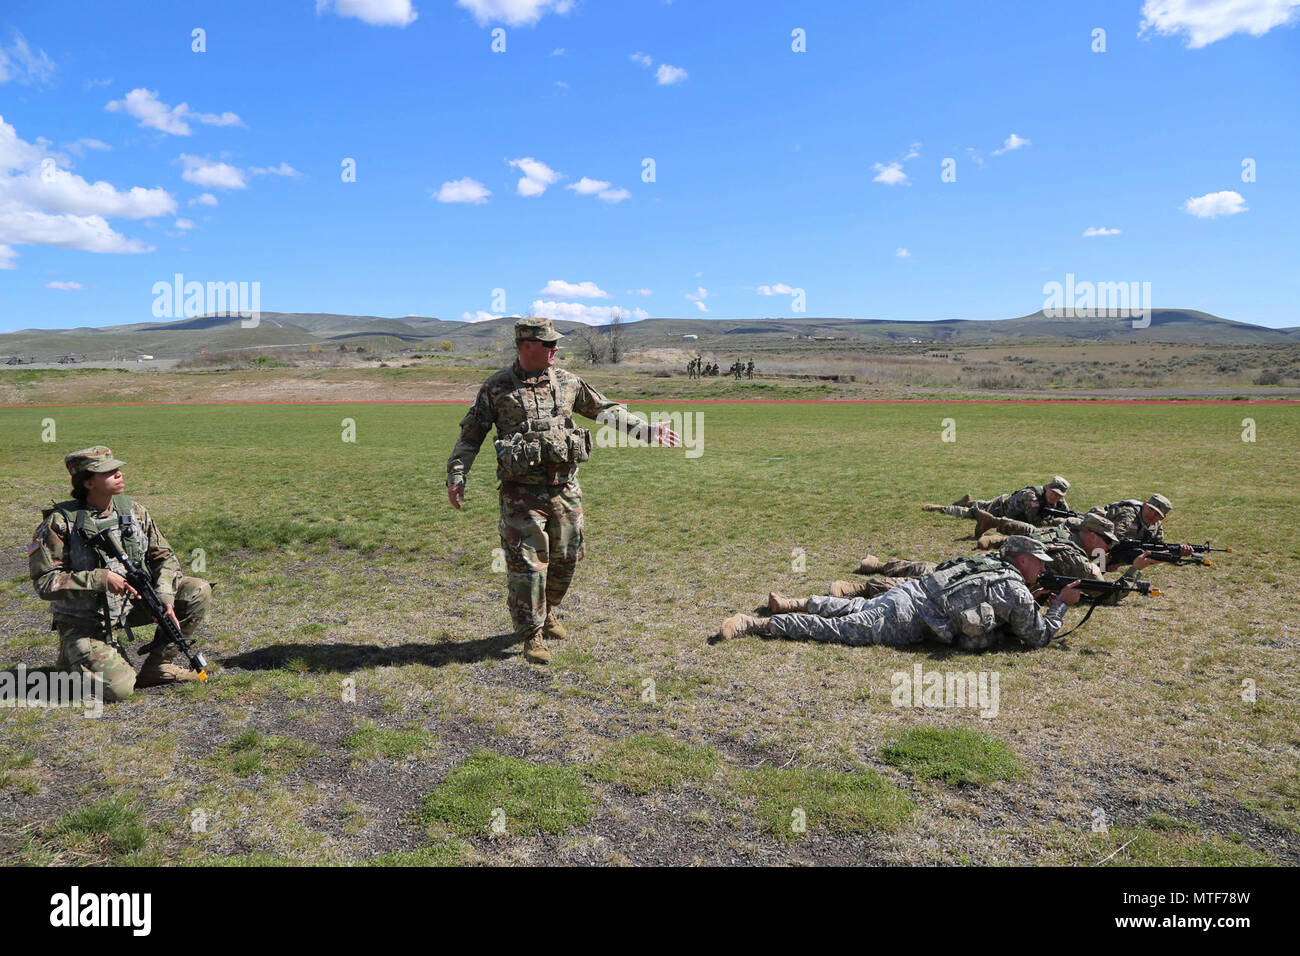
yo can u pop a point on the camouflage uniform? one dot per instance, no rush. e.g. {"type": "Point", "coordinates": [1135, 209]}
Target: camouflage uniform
{"type": "Point", "coordinates": [1022, 505]}
{"type": "Point", "coordinates": [538, 450]}
{"type": "Point", "coordinates": [71, 573]}
{"type": "Point", "coordinates": [1126, 516]}
{"type": "Point", "coordinates": [970, 602]}
{"type": "Point", "coordinates": [1066, 553]}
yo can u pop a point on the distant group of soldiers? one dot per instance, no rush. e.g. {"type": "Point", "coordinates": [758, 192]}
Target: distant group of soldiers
{"type": "Point", "coordinates": [975, 602]}
{"type": "Point", "coordinates": [698, 368]}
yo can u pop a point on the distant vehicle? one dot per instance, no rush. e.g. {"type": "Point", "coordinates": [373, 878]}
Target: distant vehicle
{"type": "Point", "coordinates": [688, 336]}
{"type": "Point", "coordinates": [69, 359]}
{"type": "Point", "coordinates": [18, 360]}
{"type": "Point", "coordinates": [144, 358]}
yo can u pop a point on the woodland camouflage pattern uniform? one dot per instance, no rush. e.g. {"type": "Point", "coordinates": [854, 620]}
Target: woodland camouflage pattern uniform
{"type": "Point", "coordinates": [538, 450]}
{"type": "Point", "coordinates": [1067, 556]}
{"type": "Point", "coordinates": [1127, 517]}
{"type": "Point", "coordinates": [972, 603]}
{"type": "Point", "coordinates": [1022, 505]}
{"type": "Point", "coordinates": [71, 574]}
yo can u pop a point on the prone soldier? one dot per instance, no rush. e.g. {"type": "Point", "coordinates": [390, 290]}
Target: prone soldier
{"type": "Point", "coordinates": [1023, 505]}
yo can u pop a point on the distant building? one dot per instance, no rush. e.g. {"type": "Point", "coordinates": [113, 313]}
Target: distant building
{"type": "Point", "coordinates": [688, 336]}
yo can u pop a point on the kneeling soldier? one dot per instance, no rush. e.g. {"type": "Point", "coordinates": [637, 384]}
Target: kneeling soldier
{"type": "Point", "coordinates": [970, 602]}
{"type": "Point", "coordinates": [89, 597]}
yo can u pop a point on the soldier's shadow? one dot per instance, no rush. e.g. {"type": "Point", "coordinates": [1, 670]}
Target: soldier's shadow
{"type": "Point", "coordinates": [351, 657]}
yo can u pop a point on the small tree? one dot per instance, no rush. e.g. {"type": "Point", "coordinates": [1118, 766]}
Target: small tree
{"type": "Point", "coordinates": [614, 337]}
{"type": "Point", "coordinates": [588, 344]}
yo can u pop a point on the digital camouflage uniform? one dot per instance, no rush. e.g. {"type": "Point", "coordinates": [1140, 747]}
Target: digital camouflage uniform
{"type": "Point", "coordinates": [1022, 505]}
{"type": "Point", "coordinates": [538, 450]}
{"type": "Point", "coordinates": [71, 574]}
{"type": "Point", "coordinates": [1067, 557]}
{"type": "Point", "coordinates": [971, 603]}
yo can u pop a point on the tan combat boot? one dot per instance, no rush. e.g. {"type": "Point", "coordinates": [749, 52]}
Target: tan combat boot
{"type": "Point", "coordinates": [553, 629]}
{"type": "Point", "coordinates": [930, 507]}
{"type": "Point", "coordinates": [985, 522]}
{"type": "Point", "coordinates": [739, 624]}
{"type": "Point", "coordinates": [870, 565]}
{"type": "Point", "coordinates": [989, 541]}
{"type": "Point", "coordinates": [535, 649]}
{"type": "Point", "coordinates": [850, 589]}
{"type": "Point", "coordinates": [964, 501]}
{"type": "Point", "coordinates": [157, 672]}
{"type": "Point", "coordinates": [783, 605]}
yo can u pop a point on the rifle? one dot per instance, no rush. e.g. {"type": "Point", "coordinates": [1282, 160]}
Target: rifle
{"type": "Point", "coordinates": [1055, 583]}
{"type": "Point", "coordinates": [1130, 548]}
{"type": "Point", "coordinates": [1051, 511]}
{"type": "Point", "coordinates": [167, 631]}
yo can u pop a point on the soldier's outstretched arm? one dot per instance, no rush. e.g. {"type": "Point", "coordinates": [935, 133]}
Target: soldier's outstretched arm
{"type": "Point", "coordinates": [474, 427]}
{"type": "Point", "coordinates": [592, 403]}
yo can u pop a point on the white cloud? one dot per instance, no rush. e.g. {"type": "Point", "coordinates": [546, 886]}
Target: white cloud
{"type": "Point", "coordinates": [18, 62]}
{"type": "Point", "coordinates": [570, 290]}
{"type": "Point", "coordinates": [184, 224]}
{"type": "Point", "coordinates": [80, 146]}
{"type": "Point", "coordinates": [641, 58]}
{"type": "Point", "coordinates": [7, 257]}
{"type": "Point", "coordinates": [598, 188]}
{"type": "Point", "coordinates": [145, 106]}
{"type": "Point", "coordinates": [779, 289]}
{"type": "Point", "coordinates": [667, 75]}
{"type": "Point", "coordinates": [207, 199]}
{"type": "Point", "coordinates": [698, 297]}
{"type": "Point", "coordinates": [1011, 142]}
{"type": "Point", "coordinates": [205, 172]}
{"type": "Point", "coordinates": [65, 286]}
{"type": "Point", "coordinates": [463, 190]}
{"type": "Point", "coordinates": [537, 176]}
{"type": "Point", "coordinates": [284, 169]}
{"type": "Point", "coordinates": [378, 13]}
{"type": "Point", "coordinates": [902, 252]}
{"type": "Point", "coordinates": [479, 316]}
{"type": "Point", "coordinates": [640, 292]}
{"type": "Point", "coordinates": [558, 51]}
{"type": "Point", "coordinates": [59, 191]}
{"type": "Point", "coordinates": [913, 151]}
{"type": "Point", "coordinates": [1099, 231]}
{"type": "Point", "coordinates": [16, 153]}
{"type": "Point", "coordinates": [1225, 203]}
{"type": "Point", "coordinates": [515, 13]}
{"type": "Point", "coordinates": [976, 156]}
{"type": "Point", "coordinates": [581, 312]}
{"type": "Point", "coordinates": [891, 174]}
{"type": "Point", "coordinates": [1206, 21]}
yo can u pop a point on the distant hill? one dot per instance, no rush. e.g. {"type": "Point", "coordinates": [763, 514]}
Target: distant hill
{"type": "Point", "coordinates": [186, 337]}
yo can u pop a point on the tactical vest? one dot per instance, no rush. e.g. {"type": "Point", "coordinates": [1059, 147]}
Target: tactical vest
{"type": "Point", "coordinates": [960, 591]}
{"type": "Point", "coordinates": [80, 555]}
{"type": "Point", "coordinates": [550, 443]}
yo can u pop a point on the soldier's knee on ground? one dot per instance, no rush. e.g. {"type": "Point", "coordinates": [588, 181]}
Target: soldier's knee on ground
{"type": "Point", "coordinates": [98, 658]}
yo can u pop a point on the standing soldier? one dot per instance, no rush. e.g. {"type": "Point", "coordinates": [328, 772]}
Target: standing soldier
{"type": "Point", "coordinates": [89, 596]}
{"type": "Point", "coordinates": [538, 450]}
{"type": "Point", "coordinates": [749, 369]}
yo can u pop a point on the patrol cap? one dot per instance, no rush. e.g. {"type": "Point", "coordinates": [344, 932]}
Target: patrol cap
{"type": "Point", "coordinates": [1059, 484]}
{"type": "Point", "coordinates": [1160, 503]}
{"type": "Point", "coordinates": [1023, 544]}
{"type": "Point", "coordinates": [1099, 525]}
{"type": "Point", "coordinates": [98, 458]}
{"type": "Point", "coordinates": [536, 329]}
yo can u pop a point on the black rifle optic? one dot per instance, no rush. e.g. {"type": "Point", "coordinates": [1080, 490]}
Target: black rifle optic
{"type": "Point", "coordinates": [167, 632]}
{"type": "Point", "coordinates": [1051, 511]}
{"type": "Point", "coordinates": [1130, 548]}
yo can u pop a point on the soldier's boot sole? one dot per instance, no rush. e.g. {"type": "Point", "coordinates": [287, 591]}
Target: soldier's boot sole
{"type": "Point", "coordinates": [931, 507]}
{"type": "Point", "coordinates": [851, 589]}
{"type": "Point", "coordinates": [965, 501]}
{"type": "Point", "coordinates": [164, 672]}
{"type": "Point", "coordinates": [870, 565]}
{"type": "Point", "coordinates": [740, 624]}
{"type": "Point", "coordinates": [984, 523]}
{"type": "Point", "coordinates": [989, 541]}
{"type": "Point", "coordinates": [553, 630]}
{"type": "Point", "coordinates": [783, 605]}
{"type": "Point", "coordinates": [536, 651]}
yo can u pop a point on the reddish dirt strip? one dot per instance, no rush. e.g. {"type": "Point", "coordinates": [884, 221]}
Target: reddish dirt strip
{"type": "Point", "coordinates": [717, 401]}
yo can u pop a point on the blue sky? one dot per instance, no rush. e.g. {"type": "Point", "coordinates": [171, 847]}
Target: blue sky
{"type": "Point", "coordinates": [774, 170]}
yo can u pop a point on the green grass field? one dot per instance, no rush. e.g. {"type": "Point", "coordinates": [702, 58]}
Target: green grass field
{"type": "Point", "coordinates": [370, 706]}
